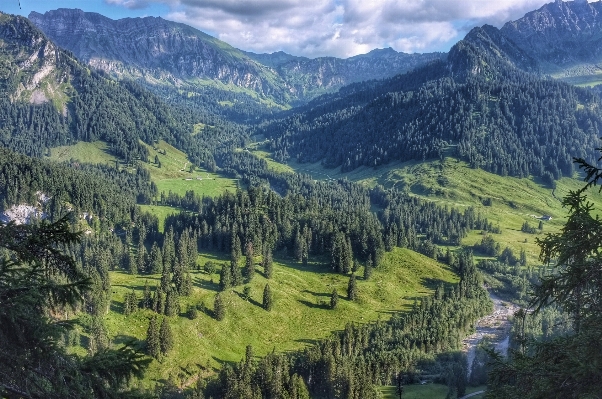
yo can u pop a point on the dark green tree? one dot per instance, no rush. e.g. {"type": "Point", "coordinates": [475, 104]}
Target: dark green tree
{"type": "Point", "coordinates": [219, 308]}
{"type": "Point", "coordinates": [352, 288]}
{"type": "Point", "coordinates": [567, 366]}
{"type": "Point", "coordinates": [268, 299]}
{"type": "Point", "coordinates": [225, 278]}
{"type": "Point", "coordinates": [153, 342]}
{"type": "Point", "coordinates": [38, 279]}
{"type": "Point", "coordinates": [334, 299]}
{"type": "Point", "coordinates": [249, 271]}
{"type": "Point", "coordinates": [267, 263]}
{"type": "Point", "coordinates": [165, 337]}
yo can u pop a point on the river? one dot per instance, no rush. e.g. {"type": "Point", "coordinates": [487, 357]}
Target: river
{"type": "Point", "coordinates": [495, 326]}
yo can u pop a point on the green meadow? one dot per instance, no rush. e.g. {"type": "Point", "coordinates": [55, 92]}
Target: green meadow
{"type": "Point", "coordinates": [301, 312]}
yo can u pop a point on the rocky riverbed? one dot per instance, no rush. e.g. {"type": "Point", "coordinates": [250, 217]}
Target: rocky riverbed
{"type": "Point", "coordinates": [495, 326]}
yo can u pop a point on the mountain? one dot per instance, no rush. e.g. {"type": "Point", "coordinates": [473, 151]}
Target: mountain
{"type": "Point", "coordinates": [561, 39]}
{"type": "Point", "coordinates": [154, 49]}
{"type": "Point", "coordinates": [50, 99]}
{"type": "Point", "coordinates": [161, 52]}
{"type": "Point", "coordinates": [565, 37]}
{"type": "Point", "coordinates": [310, 77]}
{"type": "Point", "coordinates": [479, 105]}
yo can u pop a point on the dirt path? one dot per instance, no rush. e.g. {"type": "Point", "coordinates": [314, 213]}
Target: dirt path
{"type": "Point", "coordinates": [495, 326]}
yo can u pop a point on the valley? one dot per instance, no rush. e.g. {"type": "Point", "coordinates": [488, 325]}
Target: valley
{"type": "Point", "coordinates": [201, 221]}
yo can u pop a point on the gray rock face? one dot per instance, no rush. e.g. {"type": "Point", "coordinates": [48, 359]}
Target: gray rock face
{"type": "Point", "coordinates": [153, 48]}
{"type": "Point", "coordinates": [561, 35]}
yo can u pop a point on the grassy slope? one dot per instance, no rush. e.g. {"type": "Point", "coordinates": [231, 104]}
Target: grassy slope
{"type": "Point", "coordinates": [299, 316]}
{"type": "Point", "coordinates": [174, 171]}
{"type": "Point", "coordinates": [453, 183]}
{"type": "Point", "coordinates": [95, 153]}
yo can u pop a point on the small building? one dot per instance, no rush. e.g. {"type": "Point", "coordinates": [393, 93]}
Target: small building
{"type": "Point", "coordinates": [546, 217]}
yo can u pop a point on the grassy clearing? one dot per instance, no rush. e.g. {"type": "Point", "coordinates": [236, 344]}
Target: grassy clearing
{"type": "Point", "coordinates": [299, 317]}
{"type": "Point", "coordinates": [95, 152]}
{"type": "Point", "coordinates": [260, 151]}
{"type": "Point", "coordinates": [427, 391]}
{"type": "Point", "coordinates": [162, 212]}
{"type": "Point", "coordinates": [175, 170]}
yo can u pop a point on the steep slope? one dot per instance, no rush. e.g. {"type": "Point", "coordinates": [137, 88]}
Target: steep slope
{"type": "Point", "coordinates": [478, 106]}
{"type": "Point", "coordinates": [565, 37]}
{"type": "Point", "coordinates": [161, 52]}
{"type": "Point", "coordinates": [309, 77]}
{"type": "Point", "coordinates": [155, 49]}
{"type": "Point", "coordinates": [49, 99]}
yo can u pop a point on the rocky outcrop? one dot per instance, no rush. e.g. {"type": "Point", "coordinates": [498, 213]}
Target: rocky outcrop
{"type": "Point", "coordinates": [36, 59]}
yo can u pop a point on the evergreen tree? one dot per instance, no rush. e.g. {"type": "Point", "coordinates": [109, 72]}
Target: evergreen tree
{"type": "Point", "coordinates": [172, 303]}
{"type": "Point", "coordinates": [147, 300]}
{"type": "Point", "coordinates": [249, 271]}
{"type": "Point", "coordinates": [236, 250]}
{"type": "Point", "coordinates": [165, 337]}
{"type": "Point", "coordinates": [566, 366]}
{"type": "Point", "coordinates": [37, 279]}
{"type": "Point", "coordinates": [352, 288]}
{"type": "Point", "coordinates": [225, 278]}
{"type": "Point", "coordinates": [153, 342]}
{"type": "Point", "coordinates": [156, 259]}
{"type": "Point", "coordinates": [268, 300]}
{"type": "Point", "coordinates": [219, 308]}
{"type": "Point", "coordinates": [267, 264]}
{"type": "Point", "coordinates": [334, 299]}
{"type": "Point", "coordinates": [236, 274]}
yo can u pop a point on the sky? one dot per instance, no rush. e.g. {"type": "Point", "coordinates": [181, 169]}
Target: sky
{"type": "Point", "coordinates": [312, 28]}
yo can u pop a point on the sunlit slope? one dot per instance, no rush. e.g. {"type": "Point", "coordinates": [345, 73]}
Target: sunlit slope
{"type": "Point", "coordinates": [301, 312]}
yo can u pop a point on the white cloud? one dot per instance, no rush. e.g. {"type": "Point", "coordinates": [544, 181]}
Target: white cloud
{"type": "Point", "coordinates": [339, 28]}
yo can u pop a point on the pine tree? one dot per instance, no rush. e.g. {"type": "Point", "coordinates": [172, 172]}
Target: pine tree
{"type": "Point", "coordinates": [334, 299]}
{"type": "Point", "coordinates": [219, 309]}
{"type": "Point", "coordinates": [236, 274]}
{"type": "Point", "coordinates": [236, 251]}
{"type": "Point", "coordinates": [268, 300]}
{"type": "Point", "coordinates": [172, 303]}
{"type": "Point", "coordinates": [156, 259]}
{"type": "Point", "coordinates": [267, 263]}
{"type": "Point", "coordinates": [225, 278]}
{"type": "Point", "coordinates": [165, 337]}
{"type": "Point", "coordinates": [249, 271]}
{"type": "Point", "coordinates": [153, 342]}
{"type": "Point", "coordinates": [352, 288]}
{"type": "Point", "coordinates": [147, 300]}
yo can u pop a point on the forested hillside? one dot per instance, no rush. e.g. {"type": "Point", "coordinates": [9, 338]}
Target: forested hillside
{"type": "Point", "coordinates": [476, 107]}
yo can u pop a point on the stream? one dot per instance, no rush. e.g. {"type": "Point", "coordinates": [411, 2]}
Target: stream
{"type": "Point", "coordinates": [495, 326]}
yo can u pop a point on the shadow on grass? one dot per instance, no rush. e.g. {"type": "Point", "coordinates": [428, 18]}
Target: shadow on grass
{"type": "Point", "coordinates": [207, 285]}
{"type": "Point", "coordinates": [223, 362]}
{"type": "Point", "coordinates": [314, 305]}
{"type": "Point", "coordinates": [317, 294]}
{"type": "Point", "coordinates": [308, 341]}
{"type": "Point", "coordinates": [129, 340]}
{"type": "Point", "coordinates": [248, 299]}
{"type": "Point", "coordinates": [117, 307]}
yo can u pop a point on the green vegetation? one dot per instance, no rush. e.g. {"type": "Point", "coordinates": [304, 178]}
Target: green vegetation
{"type": "Point", "coordinates": [301, 309]}
{"type": "Point", "coordinates": [94, 153]}
{"type": "Point", "coordinates": [453, 183]}
{"type": "Point", "coordinates": [175, 170]}
{"type": "Point", "coordinates": [161, 212]}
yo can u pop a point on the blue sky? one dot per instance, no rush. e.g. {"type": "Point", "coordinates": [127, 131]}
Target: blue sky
{"type": "Point", "coordinates": [312, 28]}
